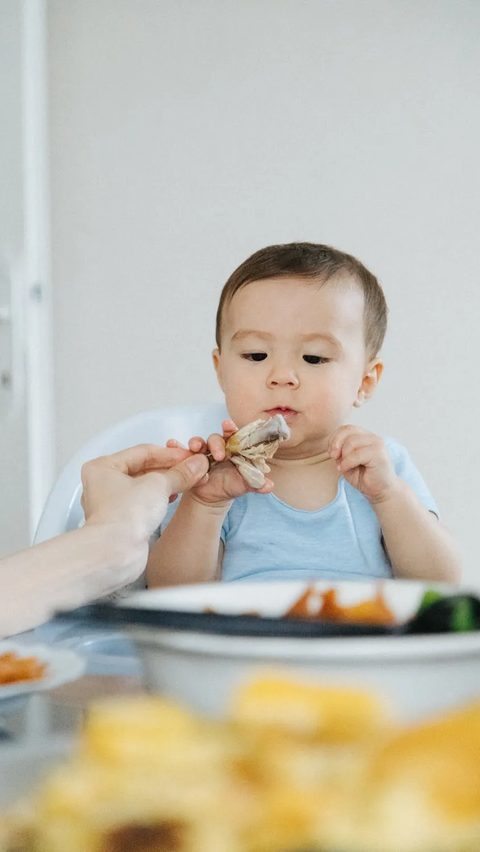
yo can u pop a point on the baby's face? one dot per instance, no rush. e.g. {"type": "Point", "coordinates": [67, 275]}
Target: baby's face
{"type": "Point", "coordinates": [293, 347]}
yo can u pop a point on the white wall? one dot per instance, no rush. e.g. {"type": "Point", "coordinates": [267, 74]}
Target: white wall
{"type": "Point", "coordinates": [187, 134]}
{"type": "Point", "coordinates": [14, 447]}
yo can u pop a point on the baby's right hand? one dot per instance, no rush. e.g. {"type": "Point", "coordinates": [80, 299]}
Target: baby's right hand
{"type": "Point", "coordinates": [224, 482]}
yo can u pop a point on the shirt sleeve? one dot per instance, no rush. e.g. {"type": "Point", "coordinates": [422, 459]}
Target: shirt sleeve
{"type": "Point", "coordinates": [405, 468]}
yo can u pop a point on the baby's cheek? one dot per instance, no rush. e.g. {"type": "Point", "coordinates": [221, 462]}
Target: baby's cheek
{"type": "Point", "coordinates": [327, 406]}
{"type": "Point", "coordinates": [240, 407]}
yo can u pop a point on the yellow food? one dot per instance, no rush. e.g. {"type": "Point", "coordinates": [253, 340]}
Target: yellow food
{"type": "Point", "coordinates": [295, 767]}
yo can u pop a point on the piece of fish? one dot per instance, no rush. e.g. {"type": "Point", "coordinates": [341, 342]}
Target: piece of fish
{"type": "Point", "coordinates": [249, 448]}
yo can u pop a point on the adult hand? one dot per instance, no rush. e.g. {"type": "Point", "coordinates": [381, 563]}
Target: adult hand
{"type": "Point", "coordinates": [363, 459]}
{"type": "Point", "coordinates": [125, 497]}
{"type": "Point", "coordinates": [132, 488]}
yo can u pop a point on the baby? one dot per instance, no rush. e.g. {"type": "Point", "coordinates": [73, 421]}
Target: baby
{"type": "Point", "coordinates": [299, 330]}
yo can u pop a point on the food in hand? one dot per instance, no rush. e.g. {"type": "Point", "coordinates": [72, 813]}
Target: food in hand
{"type": "Point", "coordinates": [249, 448]}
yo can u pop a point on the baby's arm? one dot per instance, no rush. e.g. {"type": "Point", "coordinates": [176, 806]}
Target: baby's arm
{"type": "Point", "coordinates": [418, 546]}
{"type": "Point", "coordinates": [190, 549]}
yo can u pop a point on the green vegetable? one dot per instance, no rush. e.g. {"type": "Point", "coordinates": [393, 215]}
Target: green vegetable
{"type": "Point", "coordinates": [430, 597]}
{"type": "Point", "coordinates": [463, 616]}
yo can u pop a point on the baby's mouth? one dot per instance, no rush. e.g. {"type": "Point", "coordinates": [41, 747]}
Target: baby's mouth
{"type": "Point", "coordinates": [285, 411]}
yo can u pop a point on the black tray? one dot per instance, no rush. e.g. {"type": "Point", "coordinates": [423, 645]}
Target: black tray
{"type": "Point", "coordinates": [111, 615]}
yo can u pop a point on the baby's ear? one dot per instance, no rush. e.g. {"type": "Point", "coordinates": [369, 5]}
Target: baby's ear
{"type": "Point", "coordinates": [217, 366]}
{"type": "Point", "coordinates": [369, 382]}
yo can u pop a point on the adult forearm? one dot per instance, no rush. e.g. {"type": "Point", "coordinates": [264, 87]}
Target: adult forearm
{"type": "Point", "coordinates": [188, 549]}
{"type": "Point", "coordinates": [419, 547]}
{"type": "Point", "coordinates": [66, 572]}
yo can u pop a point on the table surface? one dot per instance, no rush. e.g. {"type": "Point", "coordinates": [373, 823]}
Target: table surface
{"type": "Point", "coordinates": [60, 711]}
{"type": "Point", "coordinates": [39, 730]}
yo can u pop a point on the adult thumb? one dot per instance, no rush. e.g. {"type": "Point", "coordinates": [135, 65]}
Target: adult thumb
{"type": "Point", "coordinates": [186, 474]}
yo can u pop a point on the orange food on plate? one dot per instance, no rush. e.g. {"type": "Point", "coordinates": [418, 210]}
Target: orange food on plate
{"type": "Point", "coordinates": [15, 669]}
{"type": "Point", "coordinates": [324, 606]}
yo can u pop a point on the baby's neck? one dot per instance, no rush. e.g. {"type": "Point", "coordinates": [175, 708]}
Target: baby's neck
{"type": "Point", "coordinates": [308, 483]}
{"type": "Point", "coordinates": [289, 463]}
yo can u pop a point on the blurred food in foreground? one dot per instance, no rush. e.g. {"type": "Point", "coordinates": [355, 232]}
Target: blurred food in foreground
{"type": "Point", "coordinates": [294, 767]}
{"type": "Point", "coordinates": [14, 668]}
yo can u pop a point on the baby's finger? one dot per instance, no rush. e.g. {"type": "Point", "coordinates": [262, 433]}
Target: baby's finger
{"type": "Point", "coordinates": [361, 457]}
{"type": "Point", "coordinates": [229, 428]}
{"type": "Point", "coordinates": [334, 450]}
{"type": "Point", "coordinates": [216, 445]}
{"type": "Point", "coordinates": [266, 488]}
{"type": "Point", "coordinates": [336, 443]}
{"type": "Point", "coordinates": [356, 441]}
{"type": "Point", "coordinates": [197, 445]}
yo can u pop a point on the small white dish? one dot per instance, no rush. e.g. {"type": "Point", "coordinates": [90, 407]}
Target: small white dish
{"type": "Point", "coordinates": [105, 652]}
{"type": "Point", "coordinates": [62, 666]}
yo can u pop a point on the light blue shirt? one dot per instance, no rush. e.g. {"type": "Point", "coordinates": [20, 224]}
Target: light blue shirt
{"type": "Point", "coordinates": [265, 539]}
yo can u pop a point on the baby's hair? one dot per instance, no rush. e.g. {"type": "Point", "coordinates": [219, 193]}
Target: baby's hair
{"type": "Point", "coordinates": [314, 261]}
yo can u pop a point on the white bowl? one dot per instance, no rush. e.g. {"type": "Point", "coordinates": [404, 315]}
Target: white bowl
{"type": "Point", "coordinates": [419, 675]}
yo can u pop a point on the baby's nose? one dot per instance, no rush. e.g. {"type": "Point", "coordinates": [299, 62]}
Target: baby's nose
{"type": "Point", "coordinates": [283, 376]}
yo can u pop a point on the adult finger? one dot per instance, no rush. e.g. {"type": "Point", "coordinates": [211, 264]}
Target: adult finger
{"type": "Point", "coordinates": [139, 459]}
{"type": "Point", "coordinates": [186, 474]}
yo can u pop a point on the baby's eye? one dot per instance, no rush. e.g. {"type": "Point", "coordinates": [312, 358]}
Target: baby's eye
{"type": "Point", "coordinates": [315, 359]}
{"type": "Point", "coordinates": [255, 356]}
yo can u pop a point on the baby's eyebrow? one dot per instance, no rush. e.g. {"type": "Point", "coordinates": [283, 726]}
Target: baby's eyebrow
{"type": "Point", "coordinates": [242, 333]}
{"type": "Point", "coordinates": [328, 338]}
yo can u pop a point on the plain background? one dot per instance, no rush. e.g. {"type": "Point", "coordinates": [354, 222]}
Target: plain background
{"type": "Point", "coordinates": [185, 135]}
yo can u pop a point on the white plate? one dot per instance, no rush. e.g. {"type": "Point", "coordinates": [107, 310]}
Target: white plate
{"type": "Point", "coordinates": [275, 598]}
{"type": "Point", "coordinates": [62, 666]}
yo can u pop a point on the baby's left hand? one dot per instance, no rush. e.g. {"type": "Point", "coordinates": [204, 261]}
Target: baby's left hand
{"type": "Point", "coordinates": [362, 458]}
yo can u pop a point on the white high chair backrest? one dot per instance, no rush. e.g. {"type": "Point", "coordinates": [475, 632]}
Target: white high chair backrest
{"type": "Point", "coordinates": [63, 511]}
